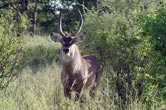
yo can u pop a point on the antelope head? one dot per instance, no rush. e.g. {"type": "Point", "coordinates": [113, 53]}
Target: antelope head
{"type": "Point", "coordinates": [68, 41]}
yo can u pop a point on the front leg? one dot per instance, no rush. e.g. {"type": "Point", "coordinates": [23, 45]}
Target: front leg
{"type": "Point", "coordinates": [80, 91]}
{"type": "Point", "coordinates": [79, 95]}
{"type": "Point", "coordinates": [67, 92]}
{"type": "Point", "coordinates": [66, 86]}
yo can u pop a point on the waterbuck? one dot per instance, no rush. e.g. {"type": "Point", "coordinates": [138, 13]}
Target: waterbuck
{"type": "Point", "coordinates": [78, 72]}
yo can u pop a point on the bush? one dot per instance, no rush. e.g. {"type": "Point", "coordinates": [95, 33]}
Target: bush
{"type": "Point", "coordinates": [112, 41]}
{"type": "Point", "coordinates": [11, 53]}
{"type": "Point", "coordinates": [154, 31]}
{"type": "Point", "coordinates": [114, 36]}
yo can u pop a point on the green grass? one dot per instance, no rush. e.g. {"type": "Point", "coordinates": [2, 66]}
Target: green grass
{"type": "Point", "coordinates": [42, 90]}
{"type": "Point", "coordinates": [31, 91]}
{"type": "Point", "coordinates": [34, 41]}
{"type": "Point", "coordinates": [40, 51]}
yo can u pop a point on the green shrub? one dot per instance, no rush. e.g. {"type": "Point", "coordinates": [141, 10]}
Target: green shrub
{"type": "Point", "coordinates": [153, 31]}
{"type": "Point", "coordinates": [111, 40]}
{"type": "Point", "coordinates": [114, 36]}
{"type": "Point", "coordinates": [11, 53]}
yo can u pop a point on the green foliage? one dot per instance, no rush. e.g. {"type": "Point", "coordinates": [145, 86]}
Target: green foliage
{"type": "Point", "coordinates": [21, 24]}
{"type": "Point", "coordinates": [114, 36]}
{"type": "Point", "coordinates": [154, 27]}
{"type": "Point", "coordinates": [153, 30]}
{"type": "Point", "coordinates": [115, 45]}
{"type": "Point", "coordinates": [12, 11]}
{"type": "Point", "coordinates": [11, 54]}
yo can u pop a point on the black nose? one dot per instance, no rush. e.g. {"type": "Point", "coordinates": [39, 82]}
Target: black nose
{"type": "Point", "coordinates": [66, 50]}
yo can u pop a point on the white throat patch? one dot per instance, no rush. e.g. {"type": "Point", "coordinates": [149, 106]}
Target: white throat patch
{"type": "Point", "coordinates": [67, 57]}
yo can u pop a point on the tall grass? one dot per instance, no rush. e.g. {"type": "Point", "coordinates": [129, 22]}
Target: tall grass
{"type": "Point", "coordinates": [35, 41]}
{"type": "Point", "coordinates": [42, 90]}
{"type": "Point", "coordinates": [40, 51]}
{"type": "Point", "coordinates": [31, 91]}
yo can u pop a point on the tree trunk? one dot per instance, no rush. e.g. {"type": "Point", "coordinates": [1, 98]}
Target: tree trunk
{"type": "Point", "coordinates": [35, 17]}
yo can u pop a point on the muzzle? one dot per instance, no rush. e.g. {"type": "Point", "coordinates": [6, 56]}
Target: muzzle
{"type": "Point", "coordinates": [65, 50]}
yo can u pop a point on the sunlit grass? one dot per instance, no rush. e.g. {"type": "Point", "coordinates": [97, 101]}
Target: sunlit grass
{"type": "Point", "coordinates": [34, 41]}
{"type": "Point", "coordinates": [31, 91]}
{"type": "Point", "coordinates": [42, 90]}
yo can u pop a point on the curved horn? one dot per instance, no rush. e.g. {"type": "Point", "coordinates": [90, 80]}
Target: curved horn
{"type": "Point", "coordinates": [60, 25]}
{"type": "Point", "coordinates": [80, 25]}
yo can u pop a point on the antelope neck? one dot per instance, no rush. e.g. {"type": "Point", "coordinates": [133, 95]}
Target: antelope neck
{"type": "Point", "coordinates": [73, 62]}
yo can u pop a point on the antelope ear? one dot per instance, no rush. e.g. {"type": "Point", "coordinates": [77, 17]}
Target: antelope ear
{"type": "Point", "coordinates": [81, 36]}
{"type": "Point", "coordinates": [55, 37]}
